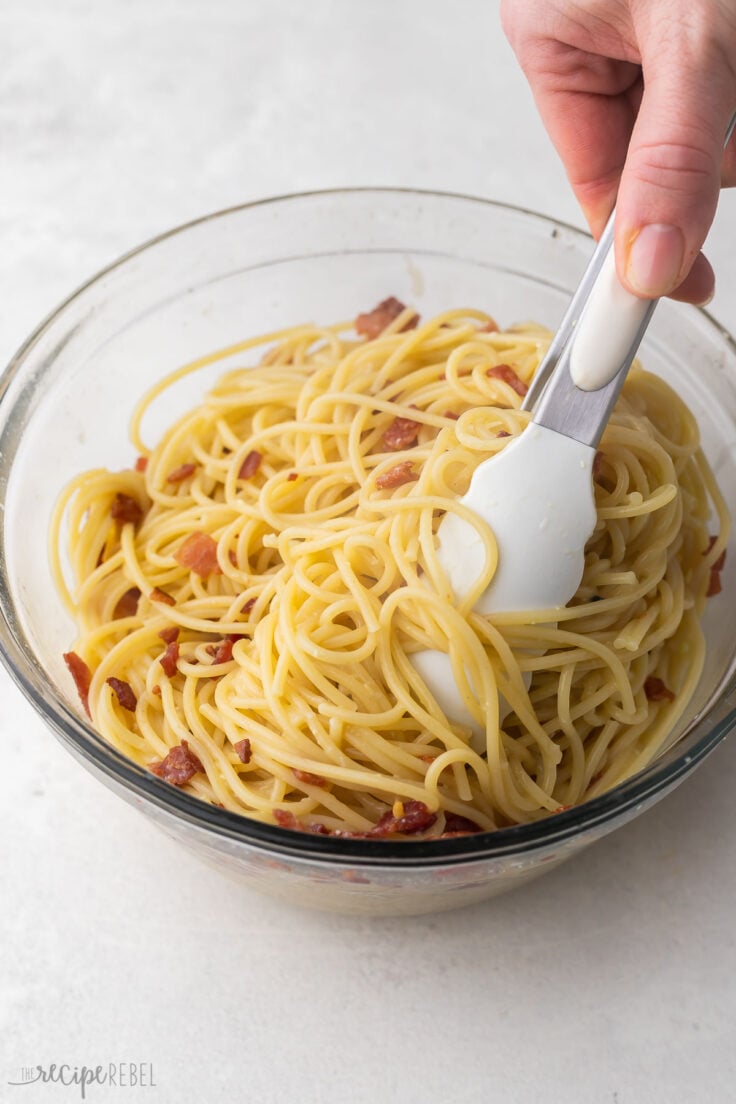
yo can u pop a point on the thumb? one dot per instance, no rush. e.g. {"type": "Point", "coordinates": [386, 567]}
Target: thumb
{"type": "Point", "coordinates": [671, 179]}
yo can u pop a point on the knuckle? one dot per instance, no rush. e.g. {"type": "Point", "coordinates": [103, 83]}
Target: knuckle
{"type": "Point", "coordinates": [682, 167]}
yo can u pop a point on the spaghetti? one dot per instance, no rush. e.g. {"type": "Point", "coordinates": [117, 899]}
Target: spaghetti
{"type": "Point", "coordinates": [249, 595]}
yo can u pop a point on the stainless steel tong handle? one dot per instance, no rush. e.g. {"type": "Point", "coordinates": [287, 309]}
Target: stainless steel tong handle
{"type": "Point", "coordinates": [560, 395]}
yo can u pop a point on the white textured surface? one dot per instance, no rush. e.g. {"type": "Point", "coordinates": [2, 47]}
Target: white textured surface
{"type": "Point", "coordinates": [607, 981]}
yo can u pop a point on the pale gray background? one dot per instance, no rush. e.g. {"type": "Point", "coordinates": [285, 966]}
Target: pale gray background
{"type": "Point", "coordinates": [610, 980]}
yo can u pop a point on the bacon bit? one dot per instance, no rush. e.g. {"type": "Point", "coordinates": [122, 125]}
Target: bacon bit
{"type": "Point", "coordinates": [459, 825]}
{"type": "Point", "coordinates": [354, 877]}
{"type": "Point", "coordinates": [451, 414]}
{"type": "Point", "coordinates": [127, 604]}
{"type": "Point", "coordinates": [714, 584]}
{"type": "Point", "coordinates": [243, 750]}
{"type": "Point", "coordinates": [292, 476]}
{"type": "Point", "coordinates": [597, 466]}
{"type": "Point", "coordinates": [374, 322]}
{"type": "Point", "coordinates": [562, 808]}
{"type": "Point", "coordinates": [285, 819]}
{"type": "Point", "coordinates": [490, 327]}
{"type": "Point", "coordinates": [232, 557]}
{"type": "Point", "coordinates": [125, 509]}
{"type": "Point", "coordinates": [317, 829]}
{"type": "Point", "coordinates": [199, 554]}
{"type": "Point", "coordinates": [506, 373]}
{"type": "Point", "coordinates": [397, 476]}
{"type": "Point", "coordinates": [503, 433]}
{"type": "Point", "coordinates": [158, 595]}
{"type": "Point", "coordinates": [170, 635]}
{"type": "Point", "coordinates": [274, 864]}
{"type": "Point", "coordinates": [721, 561]}
{"type": "Point", "coordinates": [156, 690]}
{"type": "Point", "coordinates": [141, 463]}
{"type": "Point", "coordinates": [310, 779]}
{"type": "Point", "coordinates": [170, 658]}
{"type": "Point", "coordinates": [401, 434]}
{"type": "Point", "coordinates": [250, 465]}
{"type": "Point", "coordinates": [124, 693]}
{"type": "Point", "coordinates": [428, 758]}
{"type": "Point", "coordinates": [416, 818]}
{"type": "Point", "coordinates": [178, 766]}
{"type": "Point", "coordinates": [82, 676]}
{"type": "Point", "coordinates": [655, 690]}
{"type": "Point", "coordinates": [178, 475]}
{"type": "Point", "coordinates": [248, 606]}
{"type": "Point", "coordinates": [223, 653]}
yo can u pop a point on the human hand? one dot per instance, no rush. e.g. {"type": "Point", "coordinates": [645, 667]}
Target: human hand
{"type": "Point", "coordinates": [636, 96]}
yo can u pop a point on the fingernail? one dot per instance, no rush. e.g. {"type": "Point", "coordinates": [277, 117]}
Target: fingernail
{"type": "Point", "coordinates": [655, 259]}
{"type": "Point", "coordinates": [708, 300]}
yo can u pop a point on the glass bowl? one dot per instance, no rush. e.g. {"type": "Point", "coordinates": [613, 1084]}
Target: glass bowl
{"type": "Point", "coordinates": [65, 403]}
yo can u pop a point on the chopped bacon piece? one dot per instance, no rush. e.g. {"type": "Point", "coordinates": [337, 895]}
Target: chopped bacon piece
{"type": "Point", "coordinates": [562, 808]}
{"type": "Point", "coordinates": [141, 463]}
{"type": "Point", "coordinates": [169, 658]}
{"type": "Point", "coordinates": [317, 829]}
{"type": "Point", "coordinates": [124, 693]}
{"type": "Point", "coordinates": [286, 819]}
{"type": "Point", "coordinates": [156, 690]}
{"type": "Point", "coordinates": [506, 373]}
{"type": "Point", "coordinates": [170, 635]}
{"type": "Point", "coordinates": [244, 750]}
{"type": "Point", "coordinates": [248, 606]}
{"type": "Point", "coordinates": [178, 475]}
{"type": "Point", "coordinates": [199, 554]}
{"type": "Point", "coordinates": [401, 434]}
{"type": "Point", "coordinates": [597, 465]}
{"type": "Point", "coordinates": [292, 476]}
{"type": "Point", "coordinates": [451, 414]}
{"type": "Point", "coordinates": [655, 690]}
{"type": "Point", "coordinates": [178, 766]}
{"type": "Point", "coordinates": [714, 582]}
{"type": "Point", "coordinates": [82, 676]}
{"type": "Point", "coordinates": [416, 818]}
{"type": "Point", "coordinates": [490, 327]}
{"type": "Point", "coordinates": [223, 652]}
{"type": "Point", "coordinates": [127, 604]}
{"type": "Point", "coordinates": [721, 561]}
{"type": "Point", "coordinates": [231, 555]}
{"type": "Point", "coordinates": [503, 433]}
{"type": "Point", "coordinates": [310, 779]}
{"type": "Point", "coordinates": [397, 476]}
{"type": "Point", "coordinates": [354, 877]}
{"type": "Point", "coordinates": [459, 824]}
{"type": "Point", "coordinates": [125, 508]}
{"type": "Point", "coordinates": [250, 465]}
{"type": "Point", "coordinates": [374, 322]}
{"type": "Point", "coordinates": [158, 595]}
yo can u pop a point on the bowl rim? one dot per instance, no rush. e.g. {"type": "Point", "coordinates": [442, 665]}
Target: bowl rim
{"type": "Point", "coordinates": [83, 741]}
